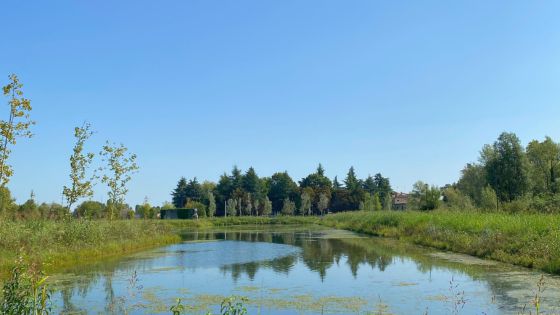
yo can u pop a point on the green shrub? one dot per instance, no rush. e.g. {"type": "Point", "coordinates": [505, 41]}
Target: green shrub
{"type": "Point", "coordinates": [517, 206]}
{"type": "Point", "coordinates": [26, 292]}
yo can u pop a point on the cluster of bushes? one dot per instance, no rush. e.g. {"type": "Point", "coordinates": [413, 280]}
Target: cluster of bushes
{"type": "Point", "coordinates": [29, 209]}
{"type": "Point", "coordinates": [96, 210]}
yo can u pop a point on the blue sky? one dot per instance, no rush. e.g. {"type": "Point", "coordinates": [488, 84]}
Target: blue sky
{"type": "Point", "coordinates": [409, 89]}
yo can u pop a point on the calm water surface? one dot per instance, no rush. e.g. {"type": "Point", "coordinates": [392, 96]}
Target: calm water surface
{"type": "Point", "coordinates": [295, 270]}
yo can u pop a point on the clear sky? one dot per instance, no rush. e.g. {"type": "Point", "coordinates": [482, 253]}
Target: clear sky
{"type": "Point", "coordinates": [409, 89]}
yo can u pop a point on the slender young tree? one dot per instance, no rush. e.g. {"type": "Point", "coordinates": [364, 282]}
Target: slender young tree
{"type": "Point", "coordinates": [144, 211]}
{"type": "Point", "coordinates": [17, 126]}
{"type": "Point", "coordinates": [248, 205]}
{"type": "Point", "coordinates": [323, 203]}
{"type": "Point", "coordinates": [267, 207]}
{"type": "Point", "coordinates": [288, 207]}
{"type": "Point", "coordinates": [388, 202]}
{"type": "Point", "coordinates": [239, 202]}
{"type": "Point", "coordinates": [376, 203]}
{"type": "Point", "coordinates": [231, 207]}
{"type": "Point", "coordinates": [256, 206]}
{"type": "Point", "coordinates": [120, 165]}
{"type": "Point", "coordinates": [305, 207]}
{"type": "Point", "coordinates": [368, 203]}
{"type": "Point", "coordinates": [81, 185]}
{"type": "Point", "coordinates": [211, 204]}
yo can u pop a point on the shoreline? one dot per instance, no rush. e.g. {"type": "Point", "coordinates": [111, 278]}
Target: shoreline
{"type": "Point", "coordinates": [526, 240]}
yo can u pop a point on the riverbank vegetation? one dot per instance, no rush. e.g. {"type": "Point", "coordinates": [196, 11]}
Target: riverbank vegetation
{"type": "Point", "coordinates": [56, 244]}
{"type": "Point", "coordinates": [510, 177]}
{"type": "Point", "coordinates": [529, 240]}
{"type": "Point", "coordinates": [525, 239]}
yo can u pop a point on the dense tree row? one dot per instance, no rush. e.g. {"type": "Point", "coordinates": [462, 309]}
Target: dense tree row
{"type": "Point", "coordinates": [239, 193]}
{"type": "Point", "coordinates": [510, 177]}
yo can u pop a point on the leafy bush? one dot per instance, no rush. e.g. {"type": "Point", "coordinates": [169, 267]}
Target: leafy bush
{"type": "Point", "coordinates": [91, 210]}
{"type": "Point", "coordinates": [546, 203]}
{"type": "Point", "coordinates": [199, 206]}
{"type": "Point", "coordinates": [26, 292]}
{"type": "Point", "coordinates": [519, 205]}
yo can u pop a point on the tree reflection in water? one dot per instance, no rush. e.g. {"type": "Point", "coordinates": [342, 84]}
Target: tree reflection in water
{"type": "Point", "coordinates": [319, 250]}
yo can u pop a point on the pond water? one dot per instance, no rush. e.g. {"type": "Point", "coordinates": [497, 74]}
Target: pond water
{"type": "Point", "coordinates": [300, 270]}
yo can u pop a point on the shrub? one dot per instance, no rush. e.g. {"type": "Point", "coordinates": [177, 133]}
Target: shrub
{"type": "Point", "coordinates": [546, 203]}
{"type": "Point", "coordinates": [26, 292]}
{"type": "Point", "coordinates": [519, 205]}
{"type": "Point", "coordinates": [91, 210]}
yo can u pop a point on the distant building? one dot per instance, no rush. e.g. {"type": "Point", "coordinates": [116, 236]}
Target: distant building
{"type": "Point", "coordinates": [400, 201]}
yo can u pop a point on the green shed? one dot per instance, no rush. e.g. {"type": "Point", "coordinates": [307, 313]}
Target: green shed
{"type": "Point", "coordinates": [177, 214]}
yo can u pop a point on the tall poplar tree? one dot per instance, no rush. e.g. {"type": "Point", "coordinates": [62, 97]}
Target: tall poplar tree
{"type": "Point", "coordinates": [81, 185]}
{"type": "Point", "coordinates": [120, 165]}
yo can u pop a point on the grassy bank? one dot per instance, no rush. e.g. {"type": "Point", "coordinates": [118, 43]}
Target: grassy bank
{"type": "Point", "coordinates": [57, 244]}
{"type": "Point", "coordinates": [529, 240]}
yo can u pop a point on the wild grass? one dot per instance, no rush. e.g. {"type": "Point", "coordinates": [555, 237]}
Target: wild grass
{"type": "Point", "coordinates": [529, 240]}
{"type": "Point", "coordinates": [54, 245]}
{"type": "Point", "coordinates": [58, 244]}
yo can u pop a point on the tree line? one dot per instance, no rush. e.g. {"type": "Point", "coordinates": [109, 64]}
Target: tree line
{"type": "Point", "coordinates": [507, 177]}
{"type": "Point", "coordinates": [245, 193]}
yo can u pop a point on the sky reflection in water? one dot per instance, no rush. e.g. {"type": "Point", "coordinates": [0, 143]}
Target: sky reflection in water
{"type": "Point", "coordinates": [298, 270]}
